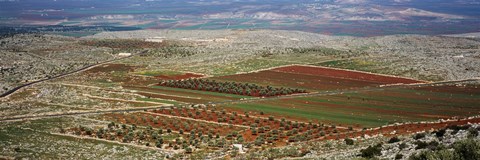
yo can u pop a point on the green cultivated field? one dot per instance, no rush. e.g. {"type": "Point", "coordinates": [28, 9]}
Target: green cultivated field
{"type": "Point", "coordinates": [376, 108]}
{"type": "Point", "coordinates": [196, 92]}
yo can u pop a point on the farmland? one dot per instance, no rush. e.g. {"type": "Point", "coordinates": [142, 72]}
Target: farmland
{"type": "Point", "coordinates": [275, 107]}
{"type": "Point", "coordinates": [314, 78]}
{"type": "Point", "coordinates": [230, 87]}
{"type": "Point", "coordinates": [232, 95]}
{"type": "Point", "coordinates": [376, 108]}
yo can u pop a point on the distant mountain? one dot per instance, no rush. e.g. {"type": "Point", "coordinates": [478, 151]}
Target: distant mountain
{"type": "Point", "coordinates": [340, 17]}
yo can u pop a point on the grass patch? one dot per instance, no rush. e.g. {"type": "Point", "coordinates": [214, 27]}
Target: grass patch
{"type": "Point", "coordinates": [238, 67]}
{"type": "Point", "coordinates": [355, 64]}
{"type": "Point", "coordinates": [158, 100]}
{"type": "Point", "coordinates": [325, 116]}
{"type": "Point", "coordinates": [105, 83]}
{"type": "Point", "coordinates": [202, 92]}
{"type": "Point", "coordinates": [159, 73]}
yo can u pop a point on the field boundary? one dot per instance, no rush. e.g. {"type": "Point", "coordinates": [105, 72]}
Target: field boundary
{"type": "Point", "coordinates": [349, 70]}
{"type": "Point", "coordinates": [194, 119]}
{"type": "Point", "coordinates": [26, 117]}
{"type": "Point", "coordinates": [340, 69]}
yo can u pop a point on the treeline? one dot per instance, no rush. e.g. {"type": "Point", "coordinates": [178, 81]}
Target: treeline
{"type": "Point", "coordinates": [323, 51]}
{"type": "Point", "coordinates": [123, 43]}
{"type": "Point", "coordinates": [172, 51]}
{"type": "Point", "coordinates": [230, 87]}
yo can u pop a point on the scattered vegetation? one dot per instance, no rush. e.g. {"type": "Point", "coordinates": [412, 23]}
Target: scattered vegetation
{"type": "Point", "coordinates": [230, 87]}
{"type": "Point", "coordinates": [372, 151]}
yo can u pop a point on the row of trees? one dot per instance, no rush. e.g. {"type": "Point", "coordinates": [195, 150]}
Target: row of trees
{"type": "Point", "coordinates": [230, 87]}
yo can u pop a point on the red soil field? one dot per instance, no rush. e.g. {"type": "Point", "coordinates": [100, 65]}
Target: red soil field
{"type": "Point", "coordinates": [241, 119]}
{"type": "Point", "coordinates": [170, 123]}
{"type": "Point", "coordinates": [344, 74]}
{"type": "Point", "coordinates": [309, 82]}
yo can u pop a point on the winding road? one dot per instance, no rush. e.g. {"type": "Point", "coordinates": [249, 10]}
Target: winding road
{"type": "Point", "coordinates": [13, 90]}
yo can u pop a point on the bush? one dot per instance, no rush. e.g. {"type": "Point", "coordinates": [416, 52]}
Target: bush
{"type": "Point", "coordinates": [349, 141]}
{"type": "Point", "coordinates": [402, 145]}
{"type": "Point", "coordinates": [440, 133]}
{"type": "Point", "coordinates": [433, 145]}
{"type": "Point", "coordinates": [427, 155]}
{"type": "Point", "coordinates": [372, 151]}
{"type": "Point", "coordinates": [454, 132]}
{"type": "Point", "coordinates": [467, 149]}
{"type": "Point", "coordinates": [457, 127]}
{"type": "Point", "coordinates": [472, 132]}
{"type": "Point", "coordinates": [398, 156]}
{"type": "Point", "coordinates": [419, 136]}
{"type": "Point", "coordinates": [394, 140]}
{"type": "Point", "coordinates": [188, 150]}
{"type": "Point", "coordinates": [421, 144]}
{"type": "Point", "coordinates": [462, 150]}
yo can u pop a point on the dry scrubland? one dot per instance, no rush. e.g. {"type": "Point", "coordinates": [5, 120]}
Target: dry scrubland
{"type": "Point", "coordinates": [121, 109]}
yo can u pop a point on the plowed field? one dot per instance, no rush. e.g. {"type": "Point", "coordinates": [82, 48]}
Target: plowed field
{"type": "Point", "coordinates": [314, 78]}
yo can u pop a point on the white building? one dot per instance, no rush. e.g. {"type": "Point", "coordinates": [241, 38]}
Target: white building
{"type": "Point", "coordinates": [240, 148]}
{"type": "Point", "coordinates": [124, 54]}
{"type": "Point", "coordinates": [155, 39]}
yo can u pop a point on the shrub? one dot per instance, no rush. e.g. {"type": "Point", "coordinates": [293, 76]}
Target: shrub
{"type": "Point", "coordinates": [259, 141]}
{"type": "Point", "coordinates": [291, 139]}
{"type": "Point", "coordinates": [456, 127]}
{"type": "Point", "coordinates": [440, 133]}
{"type": "Point", "coordinates": [421, 144]}
{"type": "Point", "coordinates": [433, 145]}
{"type": "Point", "coordinates": [394, 140]}
{"type": "Point", "coordinates": [427, 155]}
{"type": "Point", "coordinates": [322, 133]}
{"type": "Point", "coordinates": [462, 150]}
{"type": "Point", "coordinates": [270, 118]}
{"type": "Point", "coordinates": [467, 149]}
{"type": "Point", "coordinates": [402, 145]}
{"type": "Point", "coordinates": [419, 136]}
{"type": "Point", "coordinates": [472, 132]}
{"type": "Point", "coordinates": [372, 151]}
{"type": "Point", "coordinates": [454, 132]}
{"type": "Point", "coordinates": [398, 156]}
{"type": "Point", "coordinates": [88, 131]}
{"type": "Point", "coordinates": [349, 141]}
{"type": "Point", "coordinates": [188, 150]}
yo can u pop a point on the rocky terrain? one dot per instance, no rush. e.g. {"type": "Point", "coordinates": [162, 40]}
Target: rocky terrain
{"type": "Point", "coordinates": [30, 57]}
{"type": "Point", "coordinates": [114, 86]}
{"type": "Point", "coordinates": [445, 143]}
{"type": "Point", "coordinates": [424, 57]}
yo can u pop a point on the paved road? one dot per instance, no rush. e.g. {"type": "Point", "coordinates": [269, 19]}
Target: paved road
{"type": "Point", "coordinates": [323, 93]}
